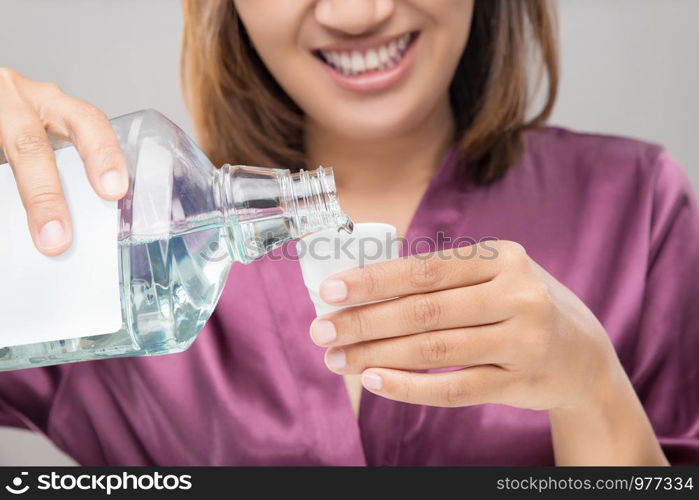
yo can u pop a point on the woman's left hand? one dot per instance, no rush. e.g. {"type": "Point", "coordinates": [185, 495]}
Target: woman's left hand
{"type": "Point", "coordinates": [517, 336]}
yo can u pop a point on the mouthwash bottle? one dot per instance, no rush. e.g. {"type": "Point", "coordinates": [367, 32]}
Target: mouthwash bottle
{"type": "Point", "coordinates": [181, 226]}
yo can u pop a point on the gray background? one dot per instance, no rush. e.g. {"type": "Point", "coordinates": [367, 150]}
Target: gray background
{"type": "Point", "coordinates": [629, 68]}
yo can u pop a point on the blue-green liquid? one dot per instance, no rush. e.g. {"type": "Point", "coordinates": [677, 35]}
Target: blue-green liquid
{"type": "Point", "coordinates": [169, 288]}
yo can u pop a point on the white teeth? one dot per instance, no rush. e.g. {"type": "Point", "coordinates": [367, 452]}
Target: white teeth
{"type": "Point", "coordinates": [393, 50]}
{"type": "Point", "coordinates": [345, 63]}
{"type": "Point", "coordinates": [372, 59]}
{"type": "Point", "coordinates": [357, 62]}
{"type": "Point", "coordinates": [335, 59]}
{"type": "Point", "coordinates": [384, 57]}
{"type": "Point", "coordinates": [328, 56]}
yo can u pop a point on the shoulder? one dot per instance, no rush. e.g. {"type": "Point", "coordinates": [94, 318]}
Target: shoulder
{"type": "Point", "coordinates": [615, 166]}
{"type": "Point", "coordinates": [634, 177]}
{"type": "Point", "coordinates": [567, 152]}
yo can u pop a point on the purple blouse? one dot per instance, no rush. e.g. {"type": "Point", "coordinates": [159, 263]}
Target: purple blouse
{"type": "Point", "coordinates": [613, 219]}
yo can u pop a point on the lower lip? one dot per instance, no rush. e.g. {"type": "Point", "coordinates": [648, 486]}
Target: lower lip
{"type": "Point", "coordinates": [376, 80]}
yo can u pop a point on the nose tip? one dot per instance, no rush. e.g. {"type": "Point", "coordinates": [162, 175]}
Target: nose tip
{"type": "Point", "coordinates": [353, 17]}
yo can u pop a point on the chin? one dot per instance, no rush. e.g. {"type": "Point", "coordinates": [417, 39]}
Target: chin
{"type": "Point", "coordinates": [371, 124]}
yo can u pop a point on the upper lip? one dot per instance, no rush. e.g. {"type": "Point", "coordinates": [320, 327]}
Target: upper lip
{"type": "Point", "coordinates": [360, 44]}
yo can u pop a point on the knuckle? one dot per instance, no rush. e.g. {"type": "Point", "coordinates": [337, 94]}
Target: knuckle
{"type": "Point", "coordinates": [535, 344]}
{"type": "Point", "coordinates": [532, 340]}
{"type": "Point", "coordinates": [536, 298]}
{"type": "Point", "coordinates": [87, 110]}
{"type": "Point", "coordinates": [8, 75]}
{"type": "Point", "coordinates": [512, 253]}
{"type": "Point", "coordinates": [433, 349]}
{"type": "Point", "coordinates": [406, 389]}
{"type": "Point", "coordinates": [371, 280]}
{"type": "Point", "coordinates": [44, 198]}
{"type": "Point", "coordinates": [425, 312]}
{"type": "Point", "coordinates": [30, 144]}
{"type": "Point", "coordinates": [361, 356]}
{"type": "Point", "coordinates": [51, 88]}
{"type": "Point", "coordinates": [455, 393]}
{"type": "Point", "coordinates": [541, 293]}
{"type": "Point", "coordinates": [533, 380]}
{"type": "Point", "coordinates": [359, 327]}
{"type": "Point", "coordinates": [107, 155]}
{"type": "Point", "coordinates": [513, 247]}
{"type": "Point", "coordinates": [423, 272]}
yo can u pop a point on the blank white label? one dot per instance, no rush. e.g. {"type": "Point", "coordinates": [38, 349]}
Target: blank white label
{"type": "Point", "coordinates": [73, 295]}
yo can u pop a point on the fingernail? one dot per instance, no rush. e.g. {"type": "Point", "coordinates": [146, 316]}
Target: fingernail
{"type": "Point", "coordinates": [114, 183]}
{"type": "Point", "coordinates": [52, 235]}
{"type": "Point", "coordinates": [333, 291]}
{"type": "Point", "coordinates": [372, 381]}
{"type": "Point", "coordinates": [323, 332]}
{"type": "Point", "coordinates": [336, 359]}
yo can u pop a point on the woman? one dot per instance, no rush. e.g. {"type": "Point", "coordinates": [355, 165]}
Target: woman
{"type": "Point", "coordinates": [575, 336]}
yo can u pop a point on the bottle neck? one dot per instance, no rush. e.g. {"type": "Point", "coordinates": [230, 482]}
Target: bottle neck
{"type": "Point", "coordinates": [312, 198]}
{"type": "Point", "coordinates": [265, 208]}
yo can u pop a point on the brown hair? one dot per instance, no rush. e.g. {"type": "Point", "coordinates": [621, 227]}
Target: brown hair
{"type": "Point", "coordinates": [242, 115]}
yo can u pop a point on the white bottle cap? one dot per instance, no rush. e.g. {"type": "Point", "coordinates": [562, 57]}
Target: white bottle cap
{"type": "Point", "coordinates": [328, 252]}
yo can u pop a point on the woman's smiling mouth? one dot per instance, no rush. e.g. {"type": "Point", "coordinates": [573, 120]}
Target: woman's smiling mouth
{"type": "Point", "coordinates": [369, 66]}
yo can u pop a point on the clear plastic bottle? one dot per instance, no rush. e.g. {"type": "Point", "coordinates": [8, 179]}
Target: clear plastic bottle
{"type": "Point", "coordinates": [182, 224]}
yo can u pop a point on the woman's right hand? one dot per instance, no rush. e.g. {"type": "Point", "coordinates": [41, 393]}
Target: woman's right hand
{"type": "Point", "coordinates": [28, 110]}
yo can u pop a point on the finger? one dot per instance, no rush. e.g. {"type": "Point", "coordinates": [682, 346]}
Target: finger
{"type": "Point", "coordinates": [470, 386]}
{"type": "Point", "coordinates": [88, 128]}
{"type": "Point", "coordinates": [33, 163]}
{"type": "Point", "coordinates": [458, 267]}
{"type": "Point", "coordinates": [453, 308]}
{"type": "Point", "coordinates": [441, 349]}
